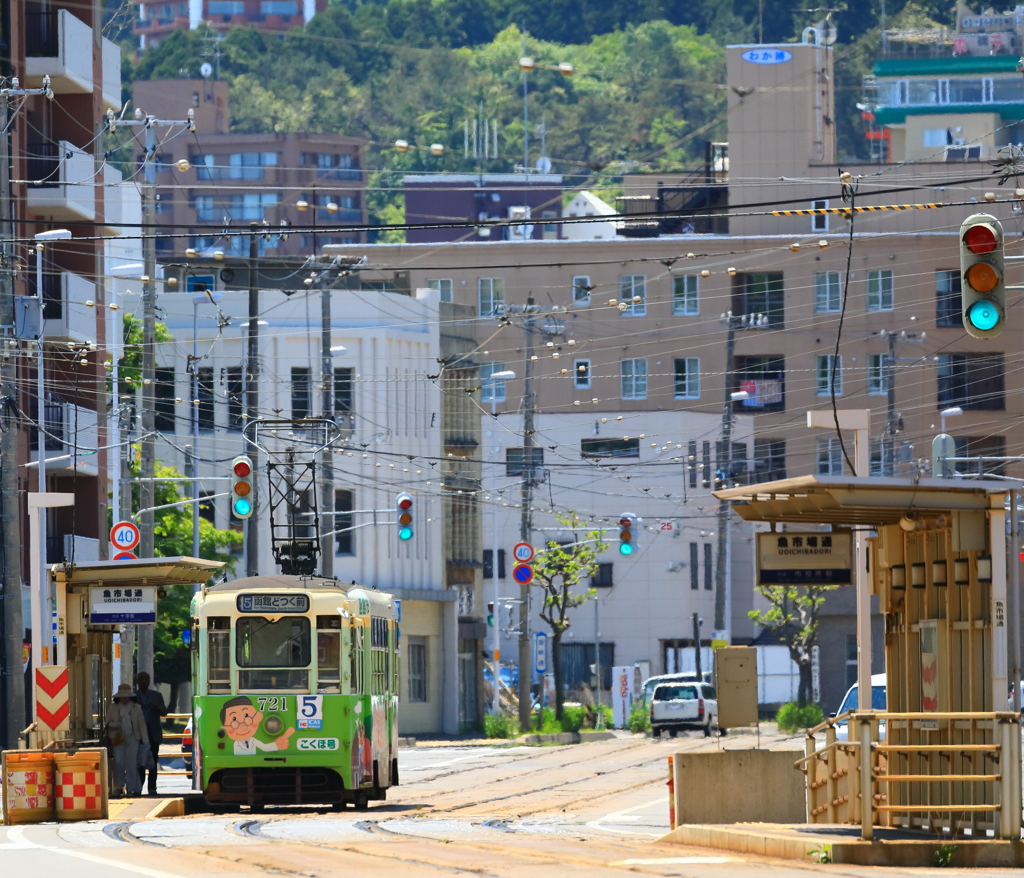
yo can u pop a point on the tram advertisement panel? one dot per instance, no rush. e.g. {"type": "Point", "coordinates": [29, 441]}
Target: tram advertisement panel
{"type": "Point", "coordinates": [240, 730]}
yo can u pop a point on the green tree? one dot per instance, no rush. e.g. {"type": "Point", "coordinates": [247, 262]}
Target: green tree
{"type": "Point", "coordinates": [793, 614]}
{"type": "Point", "coordinates": [558, 571]}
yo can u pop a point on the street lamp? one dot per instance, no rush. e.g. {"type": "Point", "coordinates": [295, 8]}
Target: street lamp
{"type": "Point", "coordinates": [951, 412]}
{"type": "Point", "coordinates": [504, 375]}
{"type": "Point", "coordinates": [197, 300]}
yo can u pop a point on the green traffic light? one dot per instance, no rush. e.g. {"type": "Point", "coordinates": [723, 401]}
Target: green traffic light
{"type": "Point", "coordinates": [405, 533]}
{"type": "Point", "coordinates": [242, 507]}
{"type": "Point", "coordinates": [983, 315]}
{"type": "Point", "coordinates": [625, 548]}
{"type": "Point", "coordinates": [490, 621]}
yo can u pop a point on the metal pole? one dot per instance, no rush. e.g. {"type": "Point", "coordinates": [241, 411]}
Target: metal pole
{"type": "Point", "coordinates": [115, 405]}
{"type": "Point", "coordinates": [13, 693]}
{"type": "Point", "coordinates": [696, 646]}
{"type": "Point", "coordinates": [327, 542]}
{"type": "Point", "coordinates": [252, 399]}
{"type": "Point", "coordinates": [526, 529]}
{"type": "Point", "coordinates": [889, 459]}
{"type": "Point", "coordinates": [1013, 600]}
{"type": "Point", "coordinates": [496, 635]}
{"type": "Point", "coordinates": [725, 449]}
{"type": "Point", "coordinates": [193, 448]}
{"type": "Point", "coordinates": [40, 412]}
{"type": "Point", "coordinates": [147, 486]}
{"type": "Point", "coordinates": [526, 118]}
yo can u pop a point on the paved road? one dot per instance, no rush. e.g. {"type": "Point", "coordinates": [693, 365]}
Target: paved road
{"type": "Point", "coordinates": [482, 812]}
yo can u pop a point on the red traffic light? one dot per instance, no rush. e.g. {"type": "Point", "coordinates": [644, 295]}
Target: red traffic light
{"type": "Point", "coordinates": [980, 239]}
{"type": "Point", "coordinates": [405, 503]}
{"type": "Point", "coordinates": [625, 522]}
{"type": "Point", "coordinates": [242, 468]}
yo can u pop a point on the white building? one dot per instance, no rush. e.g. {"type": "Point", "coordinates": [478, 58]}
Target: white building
{"type": "Point", "coordinates": [586, 203]}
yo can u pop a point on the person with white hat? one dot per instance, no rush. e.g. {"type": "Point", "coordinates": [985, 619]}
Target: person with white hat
{"type": "Point", "coordinates": [126, 730]}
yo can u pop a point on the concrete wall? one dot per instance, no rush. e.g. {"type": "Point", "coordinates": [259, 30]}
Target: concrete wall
{"type": "Point", "coordinates": [421, 619]}
{"type": "Point", "coordinates": [738, 786]}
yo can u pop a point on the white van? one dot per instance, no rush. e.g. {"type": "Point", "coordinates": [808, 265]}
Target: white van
{"type": "Point", "coordinates": [852, 700]}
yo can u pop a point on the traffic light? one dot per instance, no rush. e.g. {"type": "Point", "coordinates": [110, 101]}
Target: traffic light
{"type": "Point", "coordinates": [983, 291]}
{"type": "Point", "coordinates": [627, 534]}
{"type": "Point", "coordinates": [404, 504]}
{"type": "Point", "coordinates": [490, 614]}
{"type": "Point", "coordinates": [241, 487]}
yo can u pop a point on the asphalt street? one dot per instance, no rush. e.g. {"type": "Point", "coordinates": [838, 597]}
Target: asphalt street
{"type": "Point", "coordinates": [483, 811]}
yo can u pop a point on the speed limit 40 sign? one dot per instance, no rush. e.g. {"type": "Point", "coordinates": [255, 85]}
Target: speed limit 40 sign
{"type": "Point", "coordinates": [523, 553]}
{"type": "Point", "coordinates": [124, 536]}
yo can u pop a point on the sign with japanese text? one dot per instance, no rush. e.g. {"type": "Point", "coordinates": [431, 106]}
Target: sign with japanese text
{"type": "Point", "coordinates": [805, 558]}
{"type": "Point", "coordinates": [122, 605]}
{"type": "Point", "coordinates": [767, 55]}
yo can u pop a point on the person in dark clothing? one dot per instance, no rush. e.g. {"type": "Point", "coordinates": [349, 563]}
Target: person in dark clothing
{"type": "Point", "coordinates": [153, 709]}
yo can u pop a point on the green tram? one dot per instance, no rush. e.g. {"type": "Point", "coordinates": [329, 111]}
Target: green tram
{"type": "Point", "coordinates": [295, 692]}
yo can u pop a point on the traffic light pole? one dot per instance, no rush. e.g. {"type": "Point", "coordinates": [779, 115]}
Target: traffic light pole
{"type": "Point", "coordinates": [252, 400]}
{"type": "Point", "coordinates": [327, 541]}
{"type": "Point", "coordinates": [526, 531]}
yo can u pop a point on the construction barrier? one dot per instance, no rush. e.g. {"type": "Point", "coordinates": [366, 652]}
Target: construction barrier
{"type": "Point", "coordinates": [81, 785]}
{"type": "Point", "coordinates": [671, 794]}
{"type": "Point", "coordinates": [27, 786]}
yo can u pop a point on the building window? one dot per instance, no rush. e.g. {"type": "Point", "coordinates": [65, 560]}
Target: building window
{"type": "Point", "coordinates": [416, 671]}
{"type": "Point", "coordinates": [764, 380]}
{"type": "Point", "coordinates": [760, 293]}
{"type": "Point", "coordinates": [443, 285]}
{"type": "Point", "coordinates": [830, 457]}
{"type": "Point", "coordinates": [581, 289]}
{"type": "Point", "coordinates": [709, 569]}
{"type": "Point", "coordinates": [301, 393]}
{"type": "Point", "coordinates": [823, 374]}
{"type": "Point", "coordinates": [851, 660]}
{"type": "Point", "coordinates": [819, 221]}
{"type": "Point", "coordinates": [581, 374]}
{"type": "Point", "coordinates": [602, 577]}
{"type": "Point", "coordinates": [687, 378]}
{"type": "Point", "coordinates": [250, 165]}
{"type": "Point", "coordinates": [492, 390]}
{"type": "Point", "coordinates": [205, 410]}
{"type": "Point", "coordinates": [691, 463]}
{"type": "Point", "coordinates": [971, 381]}
{"type": "Point", "coordinates": [602, 448]}
{"type": "Point", "coordinates": [633, 375]}
{"type": "Point", "coordinates": [514, 458]}
{"type": "Point", "coordinates": [769, 460]}
{"type": "Point", "coordinates": [876, 375]}
{"type": "Point", "coordinates": [205, 211]}
{"type": "Point", "coordinates": [880, 296]}
{"type": "Point", "coordinates": [163, 404]}
{"type": "Point", "coordinates": [251, 206]}
{"type": "Point", "coordinates": [344, 521]}
{"type": "Point", "coordinates": [489, 564]}
{"type": "Point", "coordinates": [633, 286]}
{"type": "Point", "coordinates": [828, 293]}
{"type": "Point", "coordinates": [225, 7]}
{"type": "Point", "coordinates": [344, 379]}
{"type": "Point", "coordinates": [685, 300]}
{"type": "Point", "coordinates": [491, 295]}
{"type": "Point", "coordinates": [235, 386]}
{"type": "Point", "coordinates": [694, 566]}
{"type": "Point", "coordinates": [948, 298]}
{"type": "Point", "coordinates": [878, 462]}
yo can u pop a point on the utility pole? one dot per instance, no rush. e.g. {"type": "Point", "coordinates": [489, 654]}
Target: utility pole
{"type": "Point", "coordinates": [696, 646]}
{"type": "Point", "coordinates": [252, 401]}
{"type": "Point", "coordinates": [726, 468]}
{"type": "Point", "coordinates": [13, 688]}
{"type": "Point", "coordinates": [889, 445]}
{"type": "Point", "coordinates": [526, 525]}
{"type": "Point", "coordinates": [147, 485]}
{"type": "Point", "coordinates": [327, 541]}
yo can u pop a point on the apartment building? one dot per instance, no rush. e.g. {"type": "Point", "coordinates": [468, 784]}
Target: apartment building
{"type": "Point", "coordinates": [284, 179]}
{"type": "Point", "coordinates": [157, 20]}
{"type": "Point", "coordinates": [404, 427]}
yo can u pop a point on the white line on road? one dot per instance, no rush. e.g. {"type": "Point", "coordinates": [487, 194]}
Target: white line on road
{"type": "Point", "coordinates": [620, 815]}
{"type": "Point", "coordinates": [17, 836]}
{"type": "Point", "coordinates": [432, 765]}
{"type": "Point", "coordinates": [677, 861]}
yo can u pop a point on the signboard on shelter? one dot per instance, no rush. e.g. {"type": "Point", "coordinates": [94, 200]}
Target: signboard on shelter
{"type": "Point", "coordinates": [122, 605]}
{"type": "Point", "coordinates": [805, 558]}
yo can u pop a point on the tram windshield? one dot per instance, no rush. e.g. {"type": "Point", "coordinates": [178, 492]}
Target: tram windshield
{"type": "Point", "coordinates": [262, 643]}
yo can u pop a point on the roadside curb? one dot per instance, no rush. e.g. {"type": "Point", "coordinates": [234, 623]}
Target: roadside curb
{"type": "Point", "coordinates": [565, 738]}
{"type": "Point", "coordinates": [167, 808]}
{"type": "Point", "coordinates": [406, 742]}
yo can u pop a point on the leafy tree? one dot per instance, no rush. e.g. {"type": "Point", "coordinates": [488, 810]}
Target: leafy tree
{"type": "Point", "coordinates": [558, 571]}
{"type": "Point", "coordinates": [793, 613]}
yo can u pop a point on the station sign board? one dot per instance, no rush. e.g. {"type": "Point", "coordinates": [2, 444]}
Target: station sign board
{"type": "Point", "coordinates": [122, 605]}
{"type": "Point", "coordinates": [805, 558]}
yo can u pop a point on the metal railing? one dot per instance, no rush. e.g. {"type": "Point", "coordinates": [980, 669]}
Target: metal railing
{"type": "Point", "coordinates": [867, 781]}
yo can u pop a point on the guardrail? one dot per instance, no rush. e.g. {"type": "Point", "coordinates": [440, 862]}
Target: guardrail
{"type": "Point", "coordinates": [867, 781]}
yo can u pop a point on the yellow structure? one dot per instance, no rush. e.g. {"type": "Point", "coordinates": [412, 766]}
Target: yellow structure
{"type": "Point", "coordinates": [945, 754]}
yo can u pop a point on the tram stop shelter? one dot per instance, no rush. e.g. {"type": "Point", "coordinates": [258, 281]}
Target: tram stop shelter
{"type": "Point", "coordinates": [944, 758]}
{"type": "Point", "coordinates": [74, 679]}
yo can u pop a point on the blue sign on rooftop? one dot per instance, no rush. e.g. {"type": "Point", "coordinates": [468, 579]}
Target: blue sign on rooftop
{"type": "Point", "coordinates": [767, 56]}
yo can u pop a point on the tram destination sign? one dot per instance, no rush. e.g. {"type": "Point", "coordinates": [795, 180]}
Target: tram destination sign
{"type": "Point", "coordinates": [272, 603]}
{"type": "Point", "coordinates": [805, 558]}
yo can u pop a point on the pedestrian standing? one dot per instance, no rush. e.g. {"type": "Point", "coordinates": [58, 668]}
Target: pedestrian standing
{"type": "Point", "coordinates": [126, 730]}
{"type": "Point", "coordinates": [153, 710]}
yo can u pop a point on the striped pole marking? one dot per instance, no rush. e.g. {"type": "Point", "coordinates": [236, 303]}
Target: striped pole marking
{"type": "Point", "coordinates": [871, 208]}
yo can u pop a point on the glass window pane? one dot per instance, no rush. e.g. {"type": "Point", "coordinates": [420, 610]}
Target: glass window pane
{"type": "Point", "coordinates": [281, 643]}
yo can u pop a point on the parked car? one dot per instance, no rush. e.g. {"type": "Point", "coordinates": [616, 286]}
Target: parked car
{"type": "Point", "coordinates": [509, 675]}
{"type": "Point", "coordinates": [678, 706]}
{"type": "Point", "coordinates": [683, 677]}
{"type": "Point", "coordinates": [851, 701]}
{"type": "Point", "coordinates": [186, 746]}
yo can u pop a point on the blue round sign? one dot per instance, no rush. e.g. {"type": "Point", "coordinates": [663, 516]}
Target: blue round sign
{"type": "Point", "coordinates": [523, 574]}
{"type": "Point", "coordinates": [767, 55]}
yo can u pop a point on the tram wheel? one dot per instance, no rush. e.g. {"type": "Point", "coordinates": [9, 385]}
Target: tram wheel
{"type": "Point", "coordinates": [257, 807]}
{"type": "Point", "coordinates": [361, 802]}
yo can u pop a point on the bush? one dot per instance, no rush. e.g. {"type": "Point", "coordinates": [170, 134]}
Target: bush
{"type": "Point", "coordinates": [501, 725]}
{"type": "Point", "coordinates": [639, 718]}
{"type": "Point", "coordinates": [573, 717]}
{"type": "Point", "coordinates": [792, 716]}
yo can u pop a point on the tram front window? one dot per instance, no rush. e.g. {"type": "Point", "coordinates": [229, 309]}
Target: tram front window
{"type": "Point", "coordinates": [328, 653]}
{"type": "Point", "coordinates": [266, 651]}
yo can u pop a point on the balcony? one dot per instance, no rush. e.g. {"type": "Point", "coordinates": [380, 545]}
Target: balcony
{"type": "Point", "coordinates": [61, 184]}
{"type": "Point", "coordinates": [70, 440]}
{"type": "Point", "coordinates": [58, 45]}
{"type": "Point", "coordinates": [66, 317]}
{"type": "Point", "coordinates": [111, 59]}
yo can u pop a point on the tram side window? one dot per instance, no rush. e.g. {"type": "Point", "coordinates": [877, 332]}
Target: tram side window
{"type": "Point", "coordinates": [218, 640]}
{"type": "Point", "coordinates": [356, 647]}
{"type": "Point", "coordinates": [328, 653]}
{"type": "Point", "coordinates": [379, 656]}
